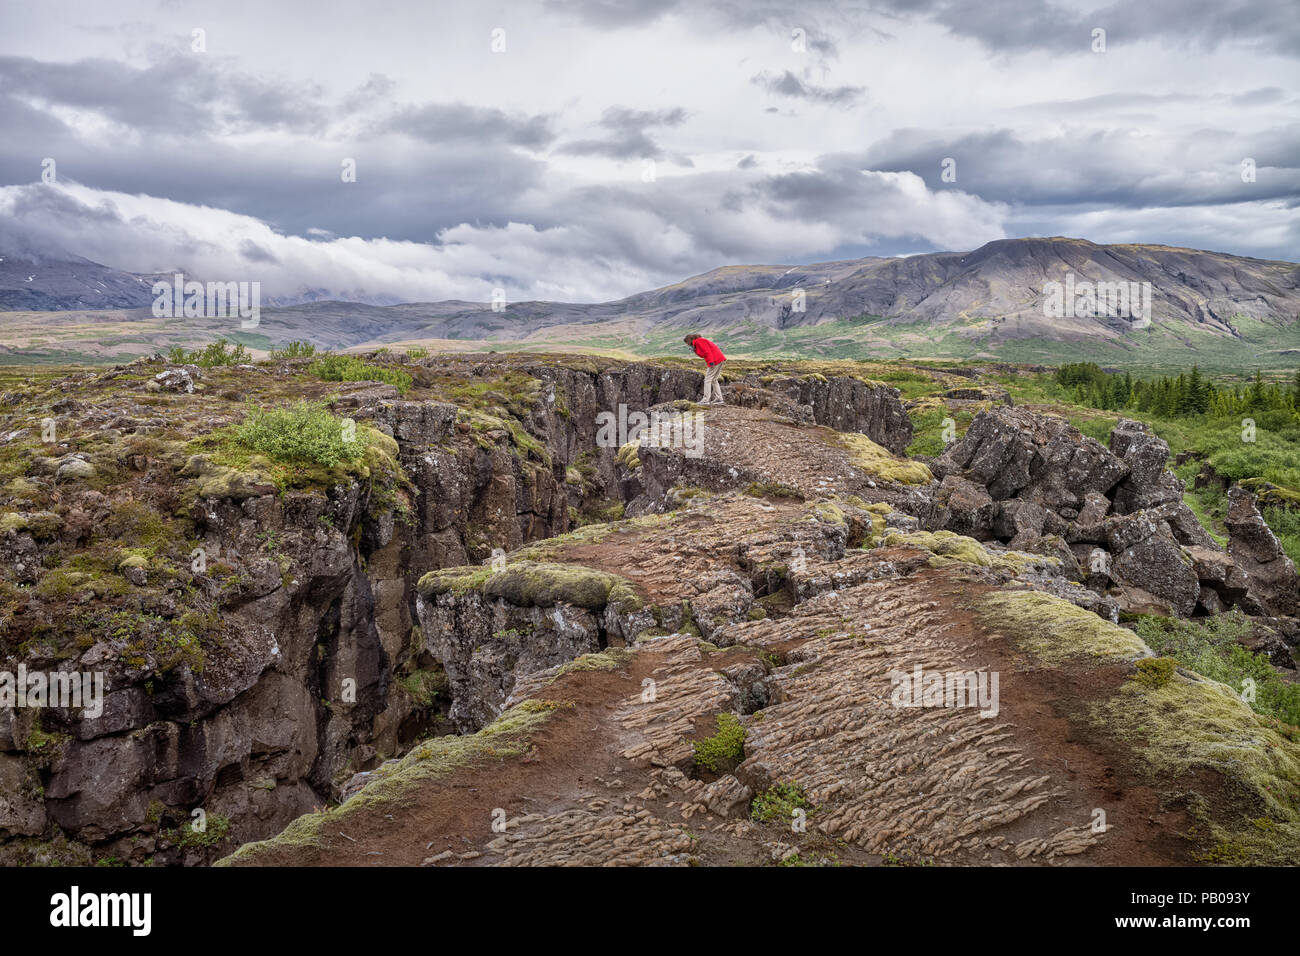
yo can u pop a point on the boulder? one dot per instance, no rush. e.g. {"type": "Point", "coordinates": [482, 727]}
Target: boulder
{"type": "Point", "coordinates": [179, 379]}
{"type": "Point", "coordinates": [964, 507]}
{"type": "Point", "coordinates": [1147, 559]}
{"type": "Point", "coordinates": [1019, 521]}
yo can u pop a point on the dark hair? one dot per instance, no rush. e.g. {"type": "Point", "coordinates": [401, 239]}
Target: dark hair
{"type": "Point", "coordinates": [691, 337]}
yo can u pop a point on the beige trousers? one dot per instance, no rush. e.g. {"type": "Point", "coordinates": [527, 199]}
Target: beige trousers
{"type": "Point", "coordinates": [711, 386]}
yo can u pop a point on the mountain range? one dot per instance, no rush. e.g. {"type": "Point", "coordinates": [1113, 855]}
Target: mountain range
{"type": "Point", "coordinates": [996, 301]}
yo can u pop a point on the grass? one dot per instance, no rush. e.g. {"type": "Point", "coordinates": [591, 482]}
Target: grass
{"type": "Point", "coordinates": [1212, 648]}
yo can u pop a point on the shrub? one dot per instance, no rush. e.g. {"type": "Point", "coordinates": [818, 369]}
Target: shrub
{"type": "Point", "coordinates": [724, 749]}
{"type": "Point", "coordinates": [779, 803]}
{"type": "Point", "coordinates": [303, 432]}
{"type": "Point", "coordinates": [294, 350]}
{"type": "Point", "coordinates": [211, 355]}
{"type": "Point", "coordinates": [348, 368]}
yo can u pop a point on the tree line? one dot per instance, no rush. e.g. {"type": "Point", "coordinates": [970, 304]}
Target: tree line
{"type": "Point", "coordinates": [1186, 395]}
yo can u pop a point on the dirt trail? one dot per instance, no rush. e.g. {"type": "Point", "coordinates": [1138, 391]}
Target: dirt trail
{"type": "Point", "coordinates": [609, 777]}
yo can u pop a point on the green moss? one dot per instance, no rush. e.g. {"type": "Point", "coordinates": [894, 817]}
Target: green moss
{"type": "Point", "coordinates": [453, 580]}
{"type": "Point", "coordinates": [528, 584]}
{"type": "Point", "coordinates": [724, 749]}
{"type": "Point", "coordinates": [1155, 671]}
{"type": "Point", "coordinates": [506, 738]}
{"type": "Point", "coordinates": [829, 512]}
{"type": "Point", "coordinates": [878, 462]}
{"type": "Point", "coordinates": [39, 524]}
{"type": "Point", "coordinates": [425, 686]}
{"type": "Point", "coordinates": [610, 659]}
{"type": "Point", "coordinates": [1056, 631]}
{"type": "Point", "coordinates": [772, 489]}
{"type": "Point", "coordinates": [948, 548]}
{"type": "Point", "coordinates": [535, 584]}
{"type": "Point", "coordinates": [214, 833]}
{"type": "Point", "coordinates": [628, 455]}
{"type": "Point", "coordinates": [1185, 727]}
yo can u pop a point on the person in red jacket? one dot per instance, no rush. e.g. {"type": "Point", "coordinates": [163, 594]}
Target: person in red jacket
{"type": "Point", "coordinates": [714, 359]}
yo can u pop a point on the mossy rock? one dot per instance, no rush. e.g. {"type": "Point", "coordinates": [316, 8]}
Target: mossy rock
{"type": "Point", "coordinates": [535, 584]}
{"type": "Point", "coordinates": [39, 524]}
{"type": "Point", "coordinates": [628, 455]}
{"type": "Point", "coordinates": [1155, 671]}
{"type": "Point", "coordinates": [948, 548]}
{"type": "Point", "coordinates": [879, 462]}
{"type": "Point", "coordinates": [1056, 631]}
{"type": "Point", "coordinates": [453, 580]}
{"type": "Point", "coordinates": [528, 584]}
{"type": "Point", "coordinates": [222, 481]}
{"type": "Point", "coordinates": [1188, 725]}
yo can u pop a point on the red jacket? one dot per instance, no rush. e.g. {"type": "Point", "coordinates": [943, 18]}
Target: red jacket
{"type": "Point", "coordinates": [706, 350]}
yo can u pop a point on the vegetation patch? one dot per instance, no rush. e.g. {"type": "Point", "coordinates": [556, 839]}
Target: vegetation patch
{"type": "Point", "coordinates": [1212, 648]}
{"type": "Point", "coordinates": [779, 803]}
{"type": "Point", "coordinates": [349, 368]}
{"type": "Point", "coordinates": [213, 355]}
{"type": "Point", "coordinates": [1185, 726]}
{"type": "Point", "coordinates": [302, 432]}
{"type": "Point", "coordinates": [948, 548]}
{"type": "Point", "coordinates": [725, 749]}
{"type": "Point", "coordinates": [535, 584]}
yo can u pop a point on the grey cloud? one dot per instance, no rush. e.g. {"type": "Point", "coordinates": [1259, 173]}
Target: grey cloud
{"type": "Point", "coordinates": [1094, 166]}
{"type": "Point", "coordinates": [1014, 25]}
{"type": "Point", "coordinates": [178, 94]}
{"type": "Point", "coordinates": [255, 253]}
{"type": "Point", "coordinates": [629, 139]}
{"type": "Point", "coordinates": [787, 84]}
{"type": "Point", "coordinates": [458, 122]}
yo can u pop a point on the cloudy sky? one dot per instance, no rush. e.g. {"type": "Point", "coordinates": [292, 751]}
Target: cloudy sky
{"type": "Point", "coordinates": [584, 150]}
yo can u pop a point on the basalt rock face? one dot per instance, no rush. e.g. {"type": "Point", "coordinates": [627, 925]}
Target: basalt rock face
{"type": "Point", "coordinates": [1119, 509]}
{"type": "Point", "coordinates": [317, 667]}
{"type": "Point", "coordinates": [1275, 588]}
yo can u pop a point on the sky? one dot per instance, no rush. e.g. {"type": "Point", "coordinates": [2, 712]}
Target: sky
{"type": "Point", "coordinates": [585, 150]}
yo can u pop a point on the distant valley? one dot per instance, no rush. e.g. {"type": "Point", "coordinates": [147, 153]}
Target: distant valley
{"type": "Point", "coordinates": [1207, 308]}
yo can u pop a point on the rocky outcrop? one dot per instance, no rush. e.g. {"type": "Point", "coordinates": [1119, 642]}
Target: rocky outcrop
{"type": "Point", "coordinates": [1118, 508]}
{"type": "Point", "coordinates": [1274, 588]}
